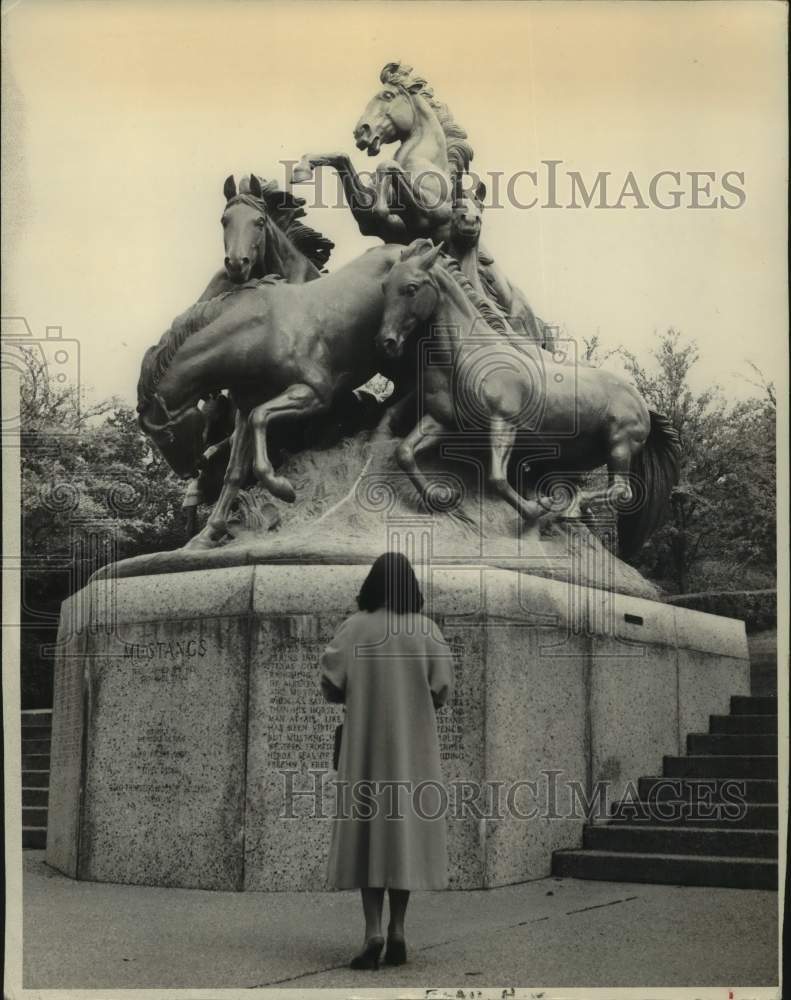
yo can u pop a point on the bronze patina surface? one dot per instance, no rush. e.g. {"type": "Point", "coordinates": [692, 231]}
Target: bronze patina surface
{"type": "Point", "coordinates": [260, 384]}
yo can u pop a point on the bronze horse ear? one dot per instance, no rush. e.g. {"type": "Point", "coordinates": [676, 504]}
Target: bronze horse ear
{"type": "Point", "coordinates": [255, 187]}
{"type": "Point", "coordinates": [229, 188]}
{"type": "Point", "coordinates": [480, 192]}
{"type": "Point", "coordinates": [429, 257]}
{"type": "Point", "coordinates": [420, 245]}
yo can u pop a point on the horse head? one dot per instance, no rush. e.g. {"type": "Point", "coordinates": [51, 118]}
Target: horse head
{"type": "Point", "coordinates": [467, 217]}
{"type": "Point", "coordinates": [245, 222]}
{"type": "Point", "coordinates": [410, 296]}
{"type": "Point", "coordinates": [391, 113]}
{"type": "Point", "coordinates": [180, 437]}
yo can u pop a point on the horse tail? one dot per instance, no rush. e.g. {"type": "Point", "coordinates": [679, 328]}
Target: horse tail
{"type": "Point", "coordinates": [656, 469]}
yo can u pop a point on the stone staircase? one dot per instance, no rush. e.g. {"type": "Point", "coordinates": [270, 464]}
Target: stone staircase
{"type": "Point", "coordinates": [36, 736]}
{"type": "Point", "coordinates": [687, 827]}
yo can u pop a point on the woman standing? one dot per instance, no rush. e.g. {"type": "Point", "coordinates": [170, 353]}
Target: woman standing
{"type": "Point", "coordinates": [391, 667]}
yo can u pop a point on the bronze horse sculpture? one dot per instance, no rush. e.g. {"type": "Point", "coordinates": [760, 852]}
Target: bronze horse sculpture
{"type": "Point", "coordinates": [283, 351]}
{"type": "Point", "coordinates": [263, 235]}
{"type": "Point", "coordinates": [419, 191]}
{"type": "Point", "coordinates": [484, 378]}
{"type": "Point", "coordinates": [412, 193]}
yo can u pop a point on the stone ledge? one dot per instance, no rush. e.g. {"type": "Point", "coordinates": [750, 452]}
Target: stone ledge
{"type": "Point", "coordinates": [707, 633]}
{"type": "Point", "coordinates": [756, 608]}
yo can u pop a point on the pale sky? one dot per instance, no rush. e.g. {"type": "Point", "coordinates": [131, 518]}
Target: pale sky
{"type": "Point", "coordinates": [124, 118]}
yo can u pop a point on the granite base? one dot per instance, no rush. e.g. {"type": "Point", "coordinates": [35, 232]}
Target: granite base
{"type": "Point", "coordinates": [191, 746]}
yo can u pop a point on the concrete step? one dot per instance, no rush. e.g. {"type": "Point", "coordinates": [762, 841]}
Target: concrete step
{"type": "Point", "coordinates": [747, 705]}
{"type": "Point", "coordinates": [666, 839]}
{"type": "Point", "coordinates": [757, 816]}
{"type": "Point", "coordinates": [36, 717]}
{"type": "Point", "coordinates": [35, 817]}
{"type": "Point", "coordinates": [35, 797]}
{"type": "Point", "coordinates": [742, 723]}
{"type": "Point", "coordinates": [35, 779]}
{"type": "Point", "coordinates": [667, 869]}
{"type": "Point", "coordinates": [731, 743]}
{"type": "Point", "coordinates": [701, 790]}
{"type": "Point", "coordinates": [720, 766]}
{"type": "Point", "coordinates": [34, 838]}
{"type": "Point", "coordinates": [30, 746]}
{"type": "Point", "coordinates": [36, 732]}
{"type": "Point", "coordinates": [35, 762]}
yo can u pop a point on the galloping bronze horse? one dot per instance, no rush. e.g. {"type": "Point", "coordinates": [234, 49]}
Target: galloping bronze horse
{"type": "Point", "coordinates": [282, 350]}
{"type": "Point", "coordinates": [263, 235]}
{"type": "Point", "coordinates": [412, 193]}
{"type": "Point", "coordinates": [484, 377]}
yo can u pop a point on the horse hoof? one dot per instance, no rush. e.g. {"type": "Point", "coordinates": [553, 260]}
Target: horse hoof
{"type": "Point", "coordinates": [281, 488]}
{"type": "Point", "coordinates": [534, 511]}
{"type": "Point", "coordinates": [301, 173]}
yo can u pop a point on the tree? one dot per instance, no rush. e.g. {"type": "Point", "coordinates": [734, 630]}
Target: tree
{"type": "Point", "coordinates": [722, 513]}
{"type": "Point", "coordinates": [92, 491]}
{"type": "Point", "coordinates": [593, 354]}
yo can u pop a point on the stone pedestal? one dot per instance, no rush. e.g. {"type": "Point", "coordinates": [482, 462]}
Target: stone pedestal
{"type": "Point", "coordinates": [191, 746]}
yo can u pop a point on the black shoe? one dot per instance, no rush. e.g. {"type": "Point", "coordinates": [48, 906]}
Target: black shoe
{"type": "Point", "coordinates": [396, 951]}
{"type": "Point", "coordinates": [369, 956]}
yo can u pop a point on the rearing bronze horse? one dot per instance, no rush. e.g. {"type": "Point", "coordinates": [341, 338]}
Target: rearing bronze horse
{"type": "Point", "coordinates": [412, 193]}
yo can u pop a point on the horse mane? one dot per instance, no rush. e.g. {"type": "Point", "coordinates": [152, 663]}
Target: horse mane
{"type": "Point", "coordinates": [285, 210]}
{"type": "Point", "coordinates": [459, 150]}
{"type": "Point", "coordinates": [157, 359]}
{"type": "Point", "coordinates": [494, 318]}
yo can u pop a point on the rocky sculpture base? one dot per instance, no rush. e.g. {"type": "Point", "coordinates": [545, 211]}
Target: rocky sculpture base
{"type": "Point", "coordinates": [354, 503]}
{"type": "Point", "coordinates": [187, 714]}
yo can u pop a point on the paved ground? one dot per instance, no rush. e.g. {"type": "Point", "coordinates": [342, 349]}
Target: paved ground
{"type": "Point", "coordinates": [555, 932]}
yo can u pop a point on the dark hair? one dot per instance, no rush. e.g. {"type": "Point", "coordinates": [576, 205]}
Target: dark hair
{"type": "Point", "coordinates": [391, 583]}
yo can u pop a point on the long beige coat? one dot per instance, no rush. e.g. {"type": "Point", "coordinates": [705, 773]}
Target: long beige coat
{"type": "Point", "coordinates": [390, 671]}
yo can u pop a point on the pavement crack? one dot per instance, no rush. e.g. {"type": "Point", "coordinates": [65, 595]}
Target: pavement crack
{"type": "Point", "coordinates": [441, 944]}
{"type": "Point", "coordinates": [299, 975]}
{"type": "Point", "coordinates": [598, 906]}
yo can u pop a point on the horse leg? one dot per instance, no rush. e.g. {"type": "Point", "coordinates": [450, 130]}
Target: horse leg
{"type": "Point", "coordinates": [423, 435]}
{"type": "Point", "coordinates": [619, 488]}
{"type": "Point", "coordinates": [213, 449]}
{"type": "Point", "coordinates": [388, 206]}
{"type": "Point", "coordinates": [393, 415]}
{"type": "Point", "coordinates": [235, 477]}
{"type": "Point", "coordinates": [400, 201]}
{"type": "Point", "coordinates": [354, 189]}
{"type": "Point", "coordinates": [503, 435]}
{"type": "Point", "coordinates": [299, 400]}
{"type": "Point", "coordinates": [423, 199]}
{"type": "Point", "coordinates": [361, 197]}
